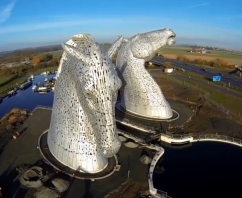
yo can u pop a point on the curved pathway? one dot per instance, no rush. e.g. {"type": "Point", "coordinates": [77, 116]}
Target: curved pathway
{"type": "Point", "coordinates": [180, 139]}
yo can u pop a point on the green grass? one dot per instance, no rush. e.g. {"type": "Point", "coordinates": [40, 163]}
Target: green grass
{"type": "Point", "coordinates": [5, 78]}
{"type": "Point", "coordinates": [224, 100]}
{"type": "Point", "coordinates": [23, 77]}
{"type": "Point", "coordinates": [56, 53]}
{"type": "Point", "coordinates": [231, 103]}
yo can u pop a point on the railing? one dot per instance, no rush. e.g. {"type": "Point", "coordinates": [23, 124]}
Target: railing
{"type": "Point", "coordinates": [155, 192]}
{"type": "Point", "coordinates": [197, 137]}
{"type": "Point", "coordinates": [124, 121]}
{"type": "Point", "coordinates": [163, 194]}
{"type": "Point", "coordinates": [136, 125]}
{"type": "Point", "coordinates": [159, 152]}
{"type": "Point", "coordinates": [42, 107]}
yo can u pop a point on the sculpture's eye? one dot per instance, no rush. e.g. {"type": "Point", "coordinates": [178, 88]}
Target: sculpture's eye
{"type": "Point", "coordinates": [89, 89]}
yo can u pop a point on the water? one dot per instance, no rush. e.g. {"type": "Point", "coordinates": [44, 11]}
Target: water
{"type": "Point", "coordinates": [27, 99]}
{"type": "Point", "coordinates": [205, 169]}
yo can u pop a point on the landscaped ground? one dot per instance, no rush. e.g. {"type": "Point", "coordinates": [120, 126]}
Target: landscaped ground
{"type": "Point", "coordinates": [209, 119]}
{"type": "Point", "coordinates": [173, 52]}
{"type": "Point", "coordinates": [220, 95]}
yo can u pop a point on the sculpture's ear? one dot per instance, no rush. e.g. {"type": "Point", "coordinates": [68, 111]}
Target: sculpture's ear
{"type": "Point", "coordinates": [115, 46]}
{"type": "Point", "coordinates": [72, 51]}
{"type": "Point", "coordinates": [125, 40]}
{"type": "Point", "coordinates": [83, 39]}
{"type": "Point", "coordinates": [141, 47]}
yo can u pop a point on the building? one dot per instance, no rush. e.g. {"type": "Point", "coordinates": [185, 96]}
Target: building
{"type": "Point", "coordinates": [168, 70]}
{"type": "Point", "coordinates": [199, 50]}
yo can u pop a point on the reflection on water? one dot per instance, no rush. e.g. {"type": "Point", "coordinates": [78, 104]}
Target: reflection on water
{"type": "Point", "coordinates": [27, 99]}
{"type": "Point", "coordinates": [205, 169]}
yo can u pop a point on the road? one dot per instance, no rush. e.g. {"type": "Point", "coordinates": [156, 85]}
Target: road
{"type": "Point", "coordinates": [209, 73]}
{"type": "Point", "coordinates": [202, 82]}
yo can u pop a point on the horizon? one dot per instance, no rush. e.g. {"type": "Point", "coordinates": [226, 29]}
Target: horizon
{"type": "Point", "coordinates": [34, 24]}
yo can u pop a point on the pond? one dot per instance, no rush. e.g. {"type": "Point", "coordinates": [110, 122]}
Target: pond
{"type": "Point", "coordinates": [201, 170]}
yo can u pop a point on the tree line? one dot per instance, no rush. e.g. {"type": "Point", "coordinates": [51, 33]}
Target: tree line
{"type": "Point", "coordinates": [39, 61]}
{"type": "Point", "coordinates": [29, 53]}
{"type": "Point", "coordinates": [45, 60]}
{"type": "Point", "coordinates": [218, 63]}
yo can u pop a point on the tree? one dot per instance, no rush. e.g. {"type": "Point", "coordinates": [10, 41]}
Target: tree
{"type": "Point", "coordinates": [167, 64]}
{"type": "Point", "coordinates": [179, 58]}
{"type": "Point", "coordinates": [52, 63]}
{"type": "Point", "coordinates": [57, 60]}
{"type": "Point", "coordinates": [36, 60]}
{"type": "Point", "coordinates": [46, 57]}
{"type": "Point", "coordinates": [43, 65]}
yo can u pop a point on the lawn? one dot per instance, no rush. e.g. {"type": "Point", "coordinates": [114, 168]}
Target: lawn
{"type": "Point", "coordinates": [22, 78]}
{"type": "Point", "coordinates": [229, 102]}
{"type": "Point", "coordinates": [5, 78]}
{"type": "Point", "coordinates": [224, 100]}
{"type": "Point", "coordinates": [54, 53]}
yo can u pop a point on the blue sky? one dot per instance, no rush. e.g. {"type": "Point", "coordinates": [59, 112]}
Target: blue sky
{"type": "Point", "coordinates": [27, 23]}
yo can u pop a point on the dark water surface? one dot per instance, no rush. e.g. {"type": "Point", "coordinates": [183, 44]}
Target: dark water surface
{"type": "Point", "coordinates": [27, 99]}
{"type": "Point", "coordinates": [203, 170]}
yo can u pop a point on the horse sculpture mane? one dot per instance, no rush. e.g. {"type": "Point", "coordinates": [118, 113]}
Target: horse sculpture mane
{"type": "Point", "coordinates": [140, 94]}
{"type": "Point", "coordinates": [82, 133]}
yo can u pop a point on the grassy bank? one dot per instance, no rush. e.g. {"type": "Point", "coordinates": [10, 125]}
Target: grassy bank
{"type": "Point", "coordinates": [201, 78]}
{"type": "Point", "coordinates": [22, 78]}
{"type": "Point", "coordinates": [222, 100]}
{"type": "Point", "coordinates": [5, 78]}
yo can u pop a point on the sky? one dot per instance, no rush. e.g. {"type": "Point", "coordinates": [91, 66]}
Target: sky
{"type": "Point", "coordinates": [31, 23]}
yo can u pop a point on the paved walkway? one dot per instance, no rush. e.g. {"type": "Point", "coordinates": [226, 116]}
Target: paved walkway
{"type": "Point", "coordinates": [24, 150]}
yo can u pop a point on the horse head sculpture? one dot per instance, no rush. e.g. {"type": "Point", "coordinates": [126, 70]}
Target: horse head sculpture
{"type": "Point", "coordinates": [82, 132]}
{"type": "Point", "coordinates": [140, 94]}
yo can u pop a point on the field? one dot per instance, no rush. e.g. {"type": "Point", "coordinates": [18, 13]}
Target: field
{"type": "Point", "coordinates": [209, 119]}
{"type": "Point", "coordinates": [224, 100]}
{"type": "Point", "coordinates": [5, 78]}
{"type": "Point", "coordinates": [54, 53]}
{"type": "Point", "coordinates": [174, 51]}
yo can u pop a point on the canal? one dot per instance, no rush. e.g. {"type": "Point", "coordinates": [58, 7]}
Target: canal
{"type": "Point", "coordinates": [27, 99]}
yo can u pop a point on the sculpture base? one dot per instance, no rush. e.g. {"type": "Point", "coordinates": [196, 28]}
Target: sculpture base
{"type": "Point", "coordinates": [48, 156]}
{"type": "Point", "coordinates": [175, 115]}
